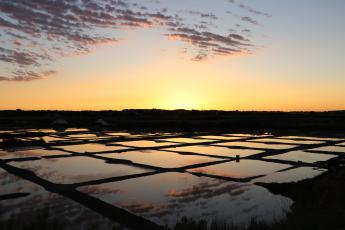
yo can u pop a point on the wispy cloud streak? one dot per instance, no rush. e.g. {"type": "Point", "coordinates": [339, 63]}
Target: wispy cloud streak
{"type": "Point", "coordinates": [36, 33]}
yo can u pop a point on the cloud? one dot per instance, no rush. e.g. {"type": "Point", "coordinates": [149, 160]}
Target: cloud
{"type": "Point", "coordinates": [206, 190]}
{"type": "Point", "coordinates": [250, 20]}
{"type": "Point", "coordinates": [210, 43]}
{"type": "Point", "coordinates": [34, 34]}
{"type": "Point", "coordinates": [249, 9]}
{"type": "Point", "coordinates": [254, 11]}
{"type": "Point", "coordinates": [178, 200]}
{"type": "Point", "coordinates": [22, 76]}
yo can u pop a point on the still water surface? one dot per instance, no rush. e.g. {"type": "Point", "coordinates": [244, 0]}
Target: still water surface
{"type": "Point", "coordinates": [161, 177]}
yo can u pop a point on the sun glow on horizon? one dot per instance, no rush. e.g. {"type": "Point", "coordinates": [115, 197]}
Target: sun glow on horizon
{"type": "Point", "coordinates": [182, 100]}
{"type": "Point", "coordinates": [193, 55]}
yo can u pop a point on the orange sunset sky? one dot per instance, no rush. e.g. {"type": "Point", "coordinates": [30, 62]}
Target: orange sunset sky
{"type": "Point", "coordinates": [183, 54]}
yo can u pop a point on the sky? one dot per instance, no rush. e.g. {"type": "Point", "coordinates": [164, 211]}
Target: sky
{"type": "Point", "coordinates": [172, 54]}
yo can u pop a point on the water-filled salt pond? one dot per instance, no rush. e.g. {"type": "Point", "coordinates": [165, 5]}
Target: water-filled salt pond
{"type": "Point", "coordinates": [144, 143]}
{"type": "Point", "coordinates": [242, 169]}
{"type": "Point", "coordinates": [247, 144]}
{"type": "Point", "coordinates": [286, 141]}
{"type": "Point", "coordinates": [91, 148]}
{"type": "Point", "coordinates": [161, 159]}
{"type": "Point", "coordinates": [167, 197]}
{"type": "Point", "coordinates": [76, 169]}
{"type": "Point", "coordinates": [28, 152]}
{"type": "Point", "coordinates": [338, 149]}
{"type": "Point", "coordinates": [219, 137]}
{"type": "Point", "coordinates": [302, 156]}
{"type": "Point", "coordinates": [186, 140]}
{"type": "Point", "coordinates": [215, 150]}
{"type": "Point", "coordinates": [83, 177]}
{"type": "Point", "coordinates": [29, 202]}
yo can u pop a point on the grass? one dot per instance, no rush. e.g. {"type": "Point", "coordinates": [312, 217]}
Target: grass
{"type": "Point", "coordinates": [41, 220]}
{"type": "Point", "coordinates": [189, 224]}
{"type": "Point", "coordinates": [45, 220]}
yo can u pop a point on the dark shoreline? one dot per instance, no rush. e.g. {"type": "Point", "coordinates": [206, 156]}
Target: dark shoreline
{"type": "Point", "coordinates": [184, 120]}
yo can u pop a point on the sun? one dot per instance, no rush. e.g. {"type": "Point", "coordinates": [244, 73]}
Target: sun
{"type": "Point", "coordinates": [182, 100]}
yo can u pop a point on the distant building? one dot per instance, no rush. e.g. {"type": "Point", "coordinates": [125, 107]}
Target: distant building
{"type": "Point", "coordinates": [101, 122]}
{"type": "Point", "coordinates": [60, 122]}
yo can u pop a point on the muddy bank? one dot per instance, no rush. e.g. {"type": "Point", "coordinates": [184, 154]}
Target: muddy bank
{"type": "Point", "coordinates": [319, 202]}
